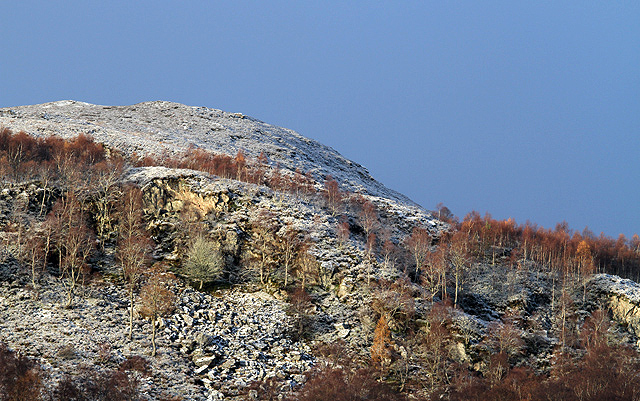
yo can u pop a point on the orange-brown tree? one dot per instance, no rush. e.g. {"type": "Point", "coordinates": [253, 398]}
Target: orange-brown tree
{"type": "Point", "coordinates": [263, 255]}
{"type": "Point", "coordinates": [381, 349]}
{"type": "Point", "coordinates": [585, 265]}
{"type": "Point", "coordinates": [332, 195]}
{"type": "Point", "coordinates": [157, 300]}
{"type": "Point", "coordinates": [289, 244]}
{"type": "Point", "coordinates": [419, 244]}
{"type": "Point", "coordinates": [134, 244]}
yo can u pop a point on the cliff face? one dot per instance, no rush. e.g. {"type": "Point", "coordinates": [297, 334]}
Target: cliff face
{"type": "Point", "coordinates": [621, 296]}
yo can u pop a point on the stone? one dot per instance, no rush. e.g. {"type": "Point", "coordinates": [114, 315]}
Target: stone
{"type": "Point", "coordinates": [228, 364]}
{"type": "Point", "coordinates": [204, 361]}
{"type": "Point", "coordinates": [188, 320]}
{"type": "Point", "coordinates": [201, 369]}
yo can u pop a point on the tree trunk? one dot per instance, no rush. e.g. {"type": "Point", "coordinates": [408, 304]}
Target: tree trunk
{"type": "Point", "coordinates": [153, 337]}
{"type": "Point", "coordinates": [455, 298]}
{"type": "Point", "coordinates": [69, 298]}
{"type": "Point", "coordinates": [131, 312]}
{"type": "Point", "coordinates": [44, 198]}
{"type": "Point", "coordinates": [286, 274]}
{"type": "Point", "coordinates": [33, 270]}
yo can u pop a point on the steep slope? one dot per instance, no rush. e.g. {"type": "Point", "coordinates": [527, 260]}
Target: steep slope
{"type": "Point", "coordinates": [156, 127]}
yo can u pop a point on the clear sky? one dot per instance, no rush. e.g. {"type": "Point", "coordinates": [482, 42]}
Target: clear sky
{"type": "Point", "coordinates": [528, 110]}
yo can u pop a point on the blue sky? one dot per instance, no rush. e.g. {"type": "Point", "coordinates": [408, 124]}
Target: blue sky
{"type": "Point", "coordinates": [528, 110]}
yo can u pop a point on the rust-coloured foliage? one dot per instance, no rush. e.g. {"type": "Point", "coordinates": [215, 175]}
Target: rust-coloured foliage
{"type": "Point", "coordinates": [157, 300]}
{"type": "Point", "coordinates": [344, 384]}
{"type": "Point", "coordinates": [20, 378]}
{"type": "Point", "coordinates": [343, 230]}
{"type": "Point", "coordinates": [332, 195]}
{"type": "Point", "coordinates": [382, 345]}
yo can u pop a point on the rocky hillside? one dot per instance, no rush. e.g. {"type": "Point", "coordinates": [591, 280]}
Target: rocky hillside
{"type": "Point", "coordinates": [154, 282]}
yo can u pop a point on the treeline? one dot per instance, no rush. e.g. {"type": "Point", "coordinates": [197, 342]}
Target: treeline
{"type": "Point", "coordinates": [259, 171]}
{"type": "Point", "coordinates": [24, 157]}
{"type": "Point", "coordinates": [560, 249]}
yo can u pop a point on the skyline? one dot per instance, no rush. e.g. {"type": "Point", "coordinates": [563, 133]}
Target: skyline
{"type": "Point", "coordinates": [522, 111]}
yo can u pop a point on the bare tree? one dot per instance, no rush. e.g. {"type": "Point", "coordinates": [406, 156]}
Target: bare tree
{"type": "Point", "coordinates": [33, 254]}
{"type": "Point", "coordinates": [73, 239]}
{"type": "Point", "coordinates": [105, 180]}
{"type": "Point", "coordinates": [419, 244]}
{"type": "Point", "coordinates": [332, 195]}
{"type": "Point", "coordinates": [46, 175]}
{"type": "Point", "coordinates": [389, 249]}
{"type": "Point", "coordinates": [370, 248]}
{"type": "Point", "coordinates": [369, 218]}
{"type": "Point", "coordinates": [460, 259]}
{"type": "Point", "coordinates": [433, 347]}
{"type": "Point", "coordinates": [300, 309]}
{"type": "Point", "coordinates": [289, 244]}
{"type": "Point", "coordinates": [307, 264]}
{"type": "Point", "coordinates": [134, 244]}
{"type": "Point", "coordinates": [157, 300]}
{"type": "Point", "coordinates": [78, 246]}
{"type": "Point", "coordinates": [263, 256]}
{"type": "Point", "coordinates": [394, 299]}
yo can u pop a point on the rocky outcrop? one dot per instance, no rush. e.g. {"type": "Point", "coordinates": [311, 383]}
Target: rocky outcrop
{"type": "Point", "coordinates": [622, 296]}
{"type": "Point", "coordinates": [167, 191]}
{"type": "Point", "coordinates": [25, 198]}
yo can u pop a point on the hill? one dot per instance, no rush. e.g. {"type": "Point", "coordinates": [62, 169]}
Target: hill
{"type": "Point", "coordinates": [160, 251]}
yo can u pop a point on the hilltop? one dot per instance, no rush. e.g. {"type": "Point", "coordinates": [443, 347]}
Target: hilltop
{"type": "Point", "coordinates": [160, 126]}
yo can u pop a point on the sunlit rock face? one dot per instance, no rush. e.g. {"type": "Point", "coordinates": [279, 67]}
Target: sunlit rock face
{"type": "Point", "coordinates": [622, 296]}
